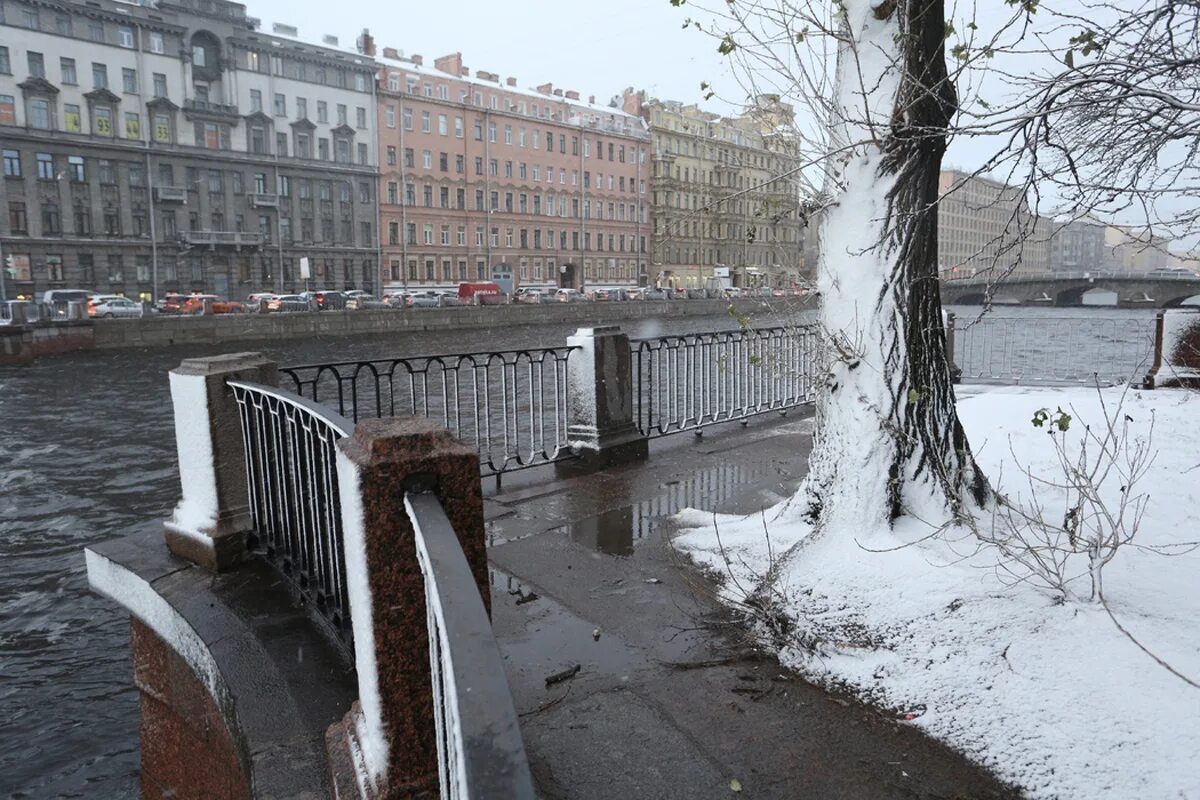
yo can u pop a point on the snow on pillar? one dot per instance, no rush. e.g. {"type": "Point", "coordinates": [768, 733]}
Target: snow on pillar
{"type": "Point", "coordinates": [210, 523]}
{"type": "Point", "coordinates": [1176, 350]}
{"type": "Point", "coordinates": [600, 396]}
{"type": "Point", "coordinates": [389, 738]}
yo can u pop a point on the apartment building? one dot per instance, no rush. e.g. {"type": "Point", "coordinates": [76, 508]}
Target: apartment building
{"type": "Point", "coordinates": [725, 194]}
{"type": "Point", "coordinates": [1076, 244]}
{"type": "Point", "coordinates": [985, 227]}
{"type": "Point", "coordinates": [174, 146]}
{"type": "Point", "coordinates": [482, 179]}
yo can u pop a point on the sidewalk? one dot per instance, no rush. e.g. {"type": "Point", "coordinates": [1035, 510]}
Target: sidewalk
{"type": "Point", "coordinates": [672, 700]}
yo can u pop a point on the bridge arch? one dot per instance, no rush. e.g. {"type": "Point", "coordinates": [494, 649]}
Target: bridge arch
{"type": "Point", "coordinates": [1182, 300]}
{"type": "Point", "coordinates": [967, 299]}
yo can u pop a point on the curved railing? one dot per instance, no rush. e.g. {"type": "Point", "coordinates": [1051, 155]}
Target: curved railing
{"type": "Point", "coordinates": [1053, 350]}
{"type": "Point", "coordinates": [687, 382]}
{"type": "Point", "coordinates": [511, 406]}
{"type": "Point", "coordinates": [480, 751]}
{"type": "Point", "coordinates": [291, 473]}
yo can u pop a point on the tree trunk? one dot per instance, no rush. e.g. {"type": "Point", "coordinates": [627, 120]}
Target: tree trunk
{"type": "Point", "coordinates": [888, 440]}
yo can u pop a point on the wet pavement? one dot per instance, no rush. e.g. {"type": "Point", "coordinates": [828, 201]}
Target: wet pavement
{"type": "Point", "coordinates": [671, 699]}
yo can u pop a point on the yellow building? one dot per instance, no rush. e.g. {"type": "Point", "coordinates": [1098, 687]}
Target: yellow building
{"type": "Point", "coordinates": [724, 194]}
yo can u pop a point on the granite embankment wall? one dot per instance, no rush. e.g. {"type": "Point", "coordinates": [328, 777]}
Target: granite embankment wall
{"type": "Point", "coordinates": [163, 331]}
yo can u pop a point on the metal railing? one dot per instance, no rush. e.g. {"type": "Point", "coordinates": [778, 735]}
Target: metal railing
{"type": "Point", "coordinates": [511, 406]}
{"type": "Point", "coordinates": [1161, 274]}
{"type": "Point", "coordinates": [686, 382]}
{"type": "Point", "coordinates": [480, 751]}
{"type": "Point", "coordinates": [1045, 350]}
{"type": "Point", "coordinates": [291, 474]}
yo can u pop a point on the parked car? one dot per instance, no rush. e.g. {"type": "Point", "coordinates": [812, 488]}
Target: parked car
{"type": "Point", "coordinates": [654, 293]}
{"type": "Point", "coordinates": [601, 295]}
{"type": "Point", "coordinates": [397, 300]}
{"type": "Point", "coordinates": [220, 305]}
{"type": "Point", "coordinates": [358, 301]}
{"type": "Point", "coordinates": [172, 303]}
{"type": "Point", "coordinates": [426, 299]}
{"type": "Point", "coordinates": [256, 301]}
{"type": "Point", "coordinates": [529, 295]}
{"type": "Point", "coordinates": [327, 299]}
{"type": "Point", "coordinates": [286, 302]}
{"type": "Point", "coordinates": [53, 296]}
{"type": "Point", "coordinates": [568, 296]}
{"type": "Point", "coordinates": [486, 291]}
{"type": "Point", "coordinates": [112, 305]}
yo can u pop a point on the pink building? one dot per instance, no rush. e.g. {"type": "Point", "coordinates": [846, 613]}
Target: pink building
{"type": "Point", "coordinates": [479, 177]}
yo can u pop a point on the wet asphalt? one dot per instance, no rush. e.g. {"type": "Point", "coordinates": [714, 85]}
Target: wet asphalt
{"type": "Point", "coordinates": [673, 699]}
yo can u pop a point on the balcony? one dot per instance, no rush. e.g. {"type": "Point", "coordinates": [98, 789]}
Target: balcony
{"type": "Point", "coordinates": [204, 108]}
{"type": "Point", "coordinates": [236, 239]}
{"type": "Point", "coordinates": [170, 194]}
{"type": "Point", "coordinates": [263, 200]}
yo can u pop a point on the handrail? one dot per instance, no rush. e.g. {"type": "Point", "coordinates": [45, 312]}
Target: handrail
{"type": "Point", "coordinates": [291, 476]}
{"type": "Point", "coordinates": [480, 751]}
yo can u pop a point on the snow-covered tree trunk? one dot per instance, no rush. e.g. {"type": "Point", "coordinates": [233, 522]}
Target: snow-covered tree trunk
{"type": "Point", "coordinates": [888, 441]}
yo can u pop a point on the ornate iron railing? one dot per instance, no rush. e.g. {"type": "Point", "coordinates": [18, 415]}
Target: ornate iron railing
{"type": "Point", "coordinates": [1032, 349]}
{"type": "Point", "coordinates": [511, 406]}
{"type": "Point", "coordinates": [291, 474]}
{"type": "Point", "coordinates": [480, 751]}
{"type": "Point", "coordinates": [687, 382]}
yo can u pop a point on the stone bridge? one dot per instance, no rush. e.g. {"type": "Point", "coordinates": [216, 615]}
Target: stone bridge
{"type": "Point", "coordinates": [1133, 290]}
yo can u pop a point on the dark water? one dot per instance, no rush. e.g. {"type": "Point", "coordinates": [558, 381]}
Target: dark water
{"type": "Point", "coordinates": [87, 449]}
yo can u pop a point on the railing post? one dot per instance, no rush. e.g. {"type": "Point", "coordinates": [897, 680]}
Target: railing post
{"type": "Point", "coordinates": [600, 422]}
{"type": "Point", "coordinates": [17, 312]}
{"type": "Point", "coordinates": [391, 730]}
{"type": "Point", "coordinates": [76, 309]}
{"type": "Point", "coordinates": [210, 523]}
{"type": "Point", "coordinates": [955, 370]}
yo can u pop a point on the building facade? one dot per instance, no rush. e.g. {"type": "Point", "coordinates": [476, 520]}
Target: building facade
{"type": "Point", "coordinates": [986, 227]}
{"type": "Point", "coordinates": [725, 194]}
{"type": "Point", "coordinates": [1135, 249]}
{"type": "Point", "coordinates": [481, 179]}
{"type": "Point", "coordinates": [1076, 245]}
{"type": "Point", "coordinates": [175, 147]}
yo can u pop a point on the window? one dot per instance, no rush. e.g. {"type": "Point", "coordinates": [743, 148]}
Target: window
{"type": "Point", "coordinates": [280, 105]}
{"type": "Point", "coordinates": [125, 37]}
{"type": "Point", "coordinates": [160, 84]}
{"type": "Point", "coordinates": [40, 114]}
{"type": "Point", "coordinates": [341, 113]}
{"type": "Point", "coordinates": [442, 124]}
{"type": "Point", "coordinates": [508, 134]}
{"type": "Point", "coordinates": [51, 218]}
{"type": "Point", "coordinates": [5, 64]}
{"type": "Point", "coordinates": [391, 155]}
{"type": "Point", "coordinates": [62, 24]}
{"type": "Point", "coordinates": [96, 31]}
{"type": "Point", "coordinates": [199, 56]}
{"type": "Point", "coordinates": [389, 116]}
{"type": "Point", "coordinates": [458, 127]}
{"type": "Point", "coordinates": [17, 220]}
{"type": "Point", "coordinates": [133, 125]}
{"type": "Point", "coordinates": [281, 144]}
{"type": "Point", "coordinates": [37, 65]}
{"type": "Point", "coordinates": [8, 110]}
{"type": "Point", "coordinates": [444, 162]}
{"type": "Point", "coordinates": [322, 111]}
{"type": "Point", "coordinates": [29, 18]}
{"type": "Point", "coordinates": [301, 108]}
{"type": "Point", "coordinates": [162, 128]}
{"type": "Point", "coordinates": [156, 42]}
{"type": "Point", "coordinates": [428, 233]}
{"type": "Point", "coordinates": [407, 116]}
{"type": "Point", "coordinates": [425, 122]}
{"type": "Point", "coordinates": [12, 163]}
{"type": "Point", "coordinates": [255, 100]}
{"type": "Point", "coordinates": [492, 132]}
{"type": "Point", "coordinates": [99, 76]}
{"type": "Point", "coordinates": [129, 81]}
{"type": "Point", "coordinates": [360, 117]}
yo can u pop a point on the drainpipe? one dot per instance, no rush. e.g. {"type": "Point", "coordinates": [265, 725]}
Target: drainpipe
{"type": "Point", "coordinates": [487, 182]}
{"type": "Point", "coordinates": [149, 171]}
{"type": "Point", "coordinates": [403, 205]}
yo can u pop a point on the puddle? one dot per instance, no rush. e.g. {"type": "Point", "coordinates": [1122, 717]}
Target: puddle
{"type": "Point", "coordinates": [736, 488]}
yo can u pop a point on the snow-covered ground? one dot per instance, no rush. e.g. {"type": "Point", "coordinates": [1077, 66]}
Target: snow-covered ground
{"type": "Point", "coordinates": [1048, 694]}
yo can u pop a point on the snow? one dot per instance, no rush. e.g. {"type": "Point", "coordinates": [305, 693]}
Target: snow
{"type": "Point", "coordinates": [125, 587]}
{"type": "Point", "coordinates": [370, 733]}
{"type": "Point", "coordinates": [1050, 695]}
{"type": "Point", "coordinates": [197, 510]}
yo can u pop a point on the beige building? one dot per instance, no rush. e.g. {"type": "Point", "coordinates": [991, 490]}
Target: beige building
{"type": "Point", "coordinates": [1133, 249]}
{"type": "Point", "coordinates": [483, 179]}
{"type": "Point", "coordinates": [724, 196]}
{"type": "Point", "coordinates": [985, 227]}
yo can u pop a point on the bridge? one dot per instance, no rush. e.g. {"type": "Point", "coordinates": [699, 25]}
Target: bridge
{"type": "Point", "coordinates": [1133, 289]}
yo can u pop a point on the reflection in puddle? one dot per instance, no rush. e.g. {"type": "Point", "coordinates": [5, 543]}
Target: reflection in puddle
{"type": "Point", "coordinates": [618, 532]}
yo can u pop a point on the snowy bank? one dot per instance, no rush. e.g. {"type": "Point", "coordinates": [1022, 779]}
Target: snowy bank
{"type": "Point", "coordinates": [1049, 694]}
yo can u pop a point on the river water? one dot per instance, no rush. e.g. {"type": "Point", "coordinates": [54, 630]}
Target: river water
{"type": "Point", "coordinates": [87, 449]}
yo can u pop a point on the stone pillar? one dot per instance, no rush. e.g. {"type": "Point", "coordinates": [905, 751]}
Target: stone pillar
{"type": "Point", "coordinates": [392, 726]}
{"type": "Point", "coordinates": [76, 309]}
{"type": "Point", "coordinates": [948, 318]}
{"type": "Point", "coordinates": [206, 306]}
{"type": "Point", "coordinates": [1176, 350]}
{"type": "Point", "coordinates": [600, 396]}
{"type": "Point", "coordinates": [210, 523]}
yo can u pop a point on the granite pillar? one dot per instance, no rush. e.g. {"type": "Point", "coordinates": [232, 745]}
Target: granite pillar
{"type": "Point", "coordinates": [600, 425]}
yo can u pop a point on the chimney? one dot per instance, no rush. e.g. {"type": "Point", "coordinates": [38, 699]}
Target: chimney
{"type": "Point", "coordinates": [450, 64]}
{"type": "Point", "coordinates": [510, 81]}
{"type": "Point", "coordinates": [481, 74]}
{"type": "Point", "coordinates": [572, 94]}
{"type": "Point", "coordinates": [391, 52]}
{"type": "Point", "coordinates": [417, 60]}
{"type": "Point", "coordinates": [558, 92]}
{"type": "Point", "coordinates": [591, 99]}
{"type": "Point", "coordinates": [546, 88]}
{"type": "Point", "coordinates": [366, 43]}
{"type": "Point", "coordinates": [464, 73]}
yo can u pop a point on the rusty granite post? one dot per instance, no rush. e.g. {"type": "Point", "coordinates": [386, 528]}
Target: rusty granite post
{"type": "Point", "coordinates": [1176, 350]}
{"type": "Point", "coordinates": [210, 523]}
{"type": "Point", "coordinates": [600, 423]}
{"type": "Point", "coordinates": [390, 735]}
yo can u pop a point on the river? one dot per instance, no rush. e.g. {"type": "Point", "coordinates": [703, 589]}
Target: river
{"type": "Point", "coordinates": [87, 449]}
